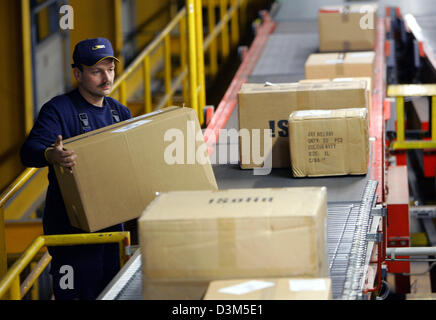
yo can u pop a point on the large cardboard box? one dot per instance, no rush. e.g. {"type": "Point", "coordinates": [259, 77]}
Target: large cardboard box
{"type": "Point", "coordinates": [329, 142]}
{"type": "Point", "coordinates": [347, 28]}
{"type": "Point", "coordinates": [121, 167]}
{"type": "Point", "coordinates": [231, 234]}
{"type": "Point", "coordinates": [271, 289]}
{"type": "Point", "coordinates": [340, 65]}
{"type": "Point", "coordinates": [264, 107]}
{"type": "Point", "coordinates": [367, 80]}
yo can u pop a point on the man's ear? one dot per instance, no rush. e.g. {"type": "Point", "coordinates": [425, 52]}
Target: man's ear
{"type": "Point", "coordinates": [77, 74]}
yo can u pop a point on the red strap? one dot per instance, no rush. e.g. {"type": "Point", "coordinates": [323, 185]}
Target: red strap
{"type": "Point", "coordinates": [329, 11]}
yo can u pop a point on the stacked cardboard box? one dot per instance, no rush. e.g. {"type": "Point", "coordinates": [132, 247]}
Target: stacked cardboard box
{"type": "Point", "coordinates": [329, 142]}
{"type": "Point", "coordinates": [231, 234]}
{"type": "Point", "coordinates": [367, 80]}
{"type": "Point", "coordinates": [263, 107]}
{"type": "Point", "coordinates": [121, 167]}
{"type": "Point", "coordinates": [345, 28]}
{"type": "Point", "coordinates": [340, 65]}
{"type": "Point", "coordinates": [270, 289]}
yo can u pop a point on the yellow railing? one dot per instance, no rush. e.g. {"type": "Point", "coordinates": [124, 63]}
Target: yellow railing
{"type": "Point", "coordinates": [4, 198]}
{"type": "Point", "coordinates": [192, 48]}
{"type": "Point", "coordinates": [27, 65]}
{"type": "Point", "coordinates": [10, 283]}
{"type": "Point", "coordinates": [399, 92]}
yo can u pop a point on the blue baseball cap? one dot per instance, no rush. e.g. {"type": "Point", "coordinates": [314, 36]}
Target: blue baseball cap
{"type": "Point", "coordinates": [91, 51]}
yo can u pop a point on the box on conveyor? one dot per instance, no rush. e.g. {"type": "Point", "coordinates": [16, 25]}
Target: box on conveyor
{"type": "Point", "coordinates": [121, 167]}
{"type": "Point", "coordinates": [347, 28]}
{"type": "Point", "coordinates": [329, 142]}
{"type": "Point", "coordinates": [270, 289]}
{"type": "Point", "coordinates": [367, 80]}
{"type": "Point", "coordinates": [340, 65]}
{"type": "Point", "coordinates": [231, 234]}
{"type": "Point", "coordinates": [263, 107]}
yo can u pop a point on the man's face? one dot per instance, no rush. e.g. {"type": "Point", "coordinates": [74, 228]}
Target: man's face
{"type": "Point", "coordinates": [98, 79]}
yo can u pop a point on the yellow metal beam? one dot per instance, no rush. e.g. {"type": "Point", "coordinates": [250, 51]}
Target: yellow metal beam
{"type": "Point", "coordinates": [183, 57]}
{"type": "Point", "coordinates": [167, 68]}
{"type": "Point", "coordinates": [147, 86]}
{"type": "Point", "coordinates": [200, 61]}
{"type": "Point", "coordinates": [193, 82]}
{"type": "Point", "coordinates": [412, 90]}
{"type": "Point", "coordinates": [27, 66]}
{"type": "Point", "coordinates": [400, 119]}
{"type": "Point", "coordinates": [414, 144]}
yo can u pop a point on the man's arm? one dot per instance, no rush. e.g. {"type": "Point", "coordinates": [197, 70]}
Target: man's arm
{"type": "Point", "coordinates": [43, 147]}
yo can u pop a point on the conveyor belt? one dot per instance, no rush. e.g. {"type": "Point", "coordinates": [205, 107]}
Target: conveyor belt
{"type": "Point", "coordinates": [349, 223]}
{"type": "Point", "coordinates": [127, 284]}
{"type": "Point", "coordinates": [350, 198]}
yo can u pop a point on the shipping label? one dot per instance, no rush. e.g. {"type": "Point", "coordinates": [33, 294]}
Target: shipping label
{"type": "Point", "coordinates": [321, 145]}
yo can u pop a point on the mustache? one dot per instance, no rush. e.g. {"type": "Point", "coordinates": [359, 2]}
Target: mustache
{"type": "Point", "coordinates": [105, 84]}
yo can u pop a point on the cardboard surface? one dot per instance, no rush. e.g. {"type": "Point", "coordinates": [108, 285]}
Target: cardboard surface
{"type": "Point", "coordinates": [367, 80]}
{"type": "Point", "coordinates": [346, 28]}
{"type": "Point", "coordinates": [121, 167]}
{"type": "Point", "coordinates": [228, 234]}
{"type": "Point", "coordinates": [270, 289]}
{"type": "Point", "coordinates": [329, 142]}
{"type": "Point", "coordinates": [340, 65]}
{"type": "Point", "coordinates": [268, 107]}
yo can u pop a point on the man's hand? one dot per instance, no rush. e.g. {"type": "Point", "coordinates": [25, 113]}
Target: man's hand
{"type": "Point", "coordinates": [58, 154]}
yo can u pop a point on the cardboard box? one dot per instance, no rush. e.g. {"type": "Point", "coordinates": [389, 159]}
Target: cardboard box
{"type": "Point", "coordinates": [329, 142]}
{"type": "Point", "coordinates": [340, 65]}
{"type": "Point", "coordinates": [367, 80]}
{"type": "Point", "coordinates": [347, 28]}
{"type": "Point", "coordinates": [271, 289]}
{"type": "Point", "coordinates": [121, 167]}
{"type": "Point", "coordinates": [231, 234]}
{"type": "Point", "coordinates": [268, 107]}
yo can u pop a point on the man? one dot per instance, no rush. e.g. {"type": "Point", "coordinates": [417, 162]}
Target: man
{"type": "Point", "coordinates": [84, 109]}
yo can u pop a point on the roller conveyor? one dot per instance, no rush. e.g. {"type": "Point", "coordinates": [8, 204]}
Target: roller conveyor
{"type": "Point", "coordinates": [347, 221]}
{"type": "Point", "coordinates": [351, 199]}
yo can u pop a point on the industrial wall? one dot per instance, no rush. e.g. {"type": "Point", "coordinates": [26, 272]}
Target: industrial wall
{"type": "Point", "coordinates": [11, 92]}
